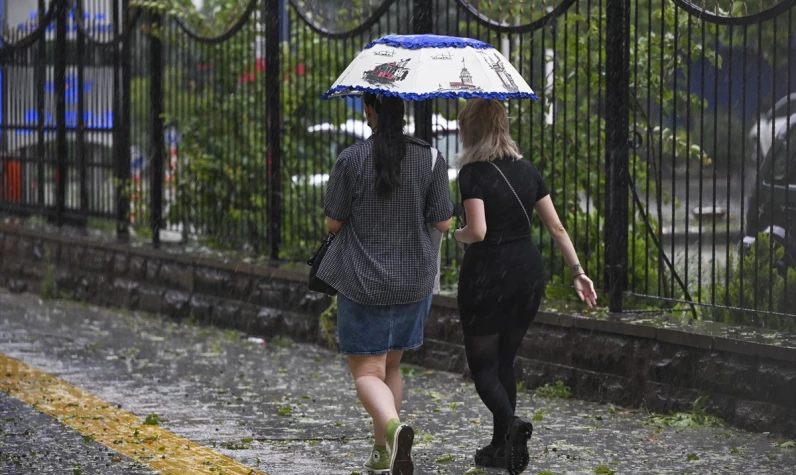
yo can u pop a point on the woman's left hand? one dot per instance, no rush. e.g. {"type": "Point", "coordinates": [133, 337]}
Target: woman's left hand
{"type": "Point", "coordinates": [585, 289]}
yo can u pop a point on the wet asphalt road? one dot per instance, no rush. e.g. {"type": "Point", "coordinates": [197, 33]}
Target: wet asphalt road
{"type": "Point", "coordinates": [288, 409]}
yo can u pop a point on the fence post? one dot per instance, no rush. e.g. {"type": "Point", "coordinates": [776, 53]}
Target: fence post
{"type": "Point", "coordinates": [617, 116]}
{"type": "Point", "coordinates": [125, 173]}
{"type": "Point", "coordinates": [41, 87]}
{"type": "Point", "coordinates": [80, 124]}
{"type": "Point", "coordinates": [422, 23]}
{"type": "Point", "coordinates": [273, 120]}
{"type": "Point", "coordinates": [122, 189]}
{"type": "Point", "coordinates": [157, 144]}
{"type": "Point", "coordinates": [59, 74]}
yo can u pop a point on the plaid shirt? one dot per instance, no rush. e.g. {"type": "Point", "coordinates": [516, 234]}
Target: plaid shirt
{"type": "Point", "coordinates": [383, 254]}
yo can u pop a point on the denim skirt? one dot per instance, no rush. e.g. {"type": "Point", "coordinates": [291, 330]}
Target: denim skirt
{"type": "Point", "coordinates": [365, 330]}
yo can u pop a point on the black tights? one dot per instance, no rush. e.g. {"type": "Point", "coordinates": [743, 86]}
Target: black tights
{"type": "Point", "coordinates": [491, 361]}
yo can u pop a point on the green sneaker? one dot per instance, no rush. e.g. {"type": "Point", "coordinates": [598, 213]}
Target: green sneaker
{"type": "Point", "coordinates": [379, 461]}
{"type": "Point", "coordinates": [399, 442]}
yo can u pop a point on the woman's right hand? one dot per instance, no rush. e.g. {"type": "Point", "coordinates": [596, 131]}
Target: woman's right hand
{"type": "Point", "coordinates": [461, 245]}
{"type": "Point", "coordinates": [585, 289]}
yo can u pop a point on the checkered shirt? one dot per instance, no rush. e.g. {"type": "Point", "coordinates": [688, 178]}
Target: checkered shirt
{"type": "Point", "coordinates": [383, 254]}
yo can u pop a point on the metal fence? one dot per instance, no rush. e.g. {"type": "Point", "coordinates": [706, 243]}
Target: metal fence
{"type": "Point", "coordinates": [662, 129]}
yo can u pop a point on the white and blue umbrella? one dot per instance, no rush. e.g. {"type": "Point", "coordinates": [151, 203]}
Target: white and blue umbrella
{"type": "Point", "coordinates": [419, 67]}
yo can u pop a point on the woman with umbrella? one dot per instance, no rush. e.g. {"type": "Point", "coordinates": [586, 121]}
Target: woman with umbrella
{"type": "Point", "coordinates": [381, 196]}
{"type": "Point", "coordinates": [376, 199]}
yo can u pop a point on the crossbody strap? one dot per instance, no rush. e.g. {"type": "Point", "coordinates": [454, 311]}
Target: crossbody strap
{"type": "Point", "coordinates": [515, 194]}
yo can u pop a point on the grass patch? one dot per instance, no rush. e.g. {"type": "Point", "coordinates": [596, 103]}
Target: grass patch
{"type": "Point", "coordinates": [102, 225]}
{"type": "Point", "coordinates": [604, 470]}
{"type": "Point", "coordinates": [283, 342]}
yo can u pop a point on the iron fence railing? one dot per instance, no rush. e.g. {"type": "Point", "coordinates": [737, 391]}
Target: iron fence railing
{"type": "Point", "coordinates": [662, 129]}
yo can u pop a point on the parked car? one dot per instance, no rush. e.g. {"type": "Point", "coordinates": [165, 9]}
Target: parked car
{"type": "Point", "coordinates": [771, 208]}
{"type": "Point", "coordinates": [339, 137]}
{"type": "Point", "coordinates": [772, 124]}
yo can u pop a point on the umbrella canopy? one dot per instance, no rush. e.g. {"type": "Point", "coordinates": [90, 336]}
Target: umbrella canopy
{"type": "Point", "coordinates": [419, 67]}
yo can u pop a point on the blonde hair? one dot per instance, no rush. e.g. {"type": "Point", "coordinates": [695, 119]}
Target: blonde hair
{"type": "Point", "coordinates": [484, 132]}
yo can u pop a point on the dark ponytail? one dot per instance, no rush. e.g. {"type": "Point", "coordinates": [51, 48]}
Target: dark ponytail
{"type": "Point", "coordinates": [389, 146]}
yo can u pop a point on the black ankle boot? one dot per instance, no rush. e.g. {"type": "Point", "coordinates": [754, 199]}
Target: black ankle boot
{"type": "Point", "coordinates": [516, 452]}
{"type": "Point", "coordinates": [490, 456]}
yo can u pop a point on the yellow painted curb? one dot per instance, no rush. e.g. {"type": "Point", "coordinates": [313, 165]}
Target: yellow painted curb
{"type": "Point", "coordinates": [119, 430]}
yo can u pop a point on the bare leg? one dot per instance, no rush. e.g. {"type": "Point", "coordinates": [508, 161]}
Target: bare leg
{"type": "Point", "coordinates": [395, 382]}
{"type": "Point", "coordinates": [370, 374]}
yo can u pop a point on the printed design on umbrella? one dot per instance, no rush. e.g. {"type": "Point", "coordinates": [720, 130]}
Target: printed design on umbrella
{"type": "Point", "coordinates": [498, 66]}
{"type": "Point", "coordinates": [442, 56]}
{"type": "Point", "coordinates": [388, 54]}
{"type": "Point", "coordinates": [387, 74]}
{"type": "Point", "coordinates": [466, 83]}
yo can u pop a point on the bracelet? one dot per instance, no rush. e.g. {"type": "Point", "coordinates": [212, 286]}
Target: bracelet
{"type": "Point", "coordinates": [578, 275]}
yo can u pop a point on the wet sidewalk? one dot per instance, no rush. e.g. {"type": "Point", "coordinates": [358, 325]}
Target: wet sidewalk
{"type": "Point", "coordinates": [283, 408]}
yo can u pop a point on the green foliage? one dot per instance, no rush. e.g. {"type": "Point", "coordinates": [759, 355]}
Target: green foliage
{"type": "Point", "coordinates": [554, 391]}
{"type": "Point", "coordinates": [152, 420]}
{"type": "Point", "coordinates": [571, 152]}
{"type": "Point", "coordinates": [694, 419]}
{"type": "Point", "coordinates": [725, 149]}
{"type": "Point", "coordinates": [48, 285]}
{"type": "Point", "coordinates": [283, 342]}
{"type": "Point", "coordinates": [221, 186]}
{"type": "Point", "coordinates": [221, 189]}
{"type": "Point", "coordinates": [754, 281]}
{"type": "Point", "coordinates": [101, 225]}
{"type": "Point", "coordinates": [604, 470]}
{"type": "Point", "coordinates": [328, 322]}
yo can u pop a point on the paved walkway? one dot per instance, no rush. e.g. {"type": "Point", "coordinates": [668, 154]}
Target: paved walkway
{"type": "Point", "coordinates": [285, 409]}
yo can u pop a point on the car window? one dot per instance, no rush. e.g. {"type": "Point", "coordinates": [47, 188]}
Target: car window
{"type": "Point", "coordinates": [783, 159]}
{"type": "Point", "coordinates": [785, 105]}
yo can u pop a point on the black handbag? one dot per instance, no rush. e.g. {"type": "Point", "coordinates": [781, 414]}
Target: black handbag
{"type": "Point", "coordinates": [315, 283]}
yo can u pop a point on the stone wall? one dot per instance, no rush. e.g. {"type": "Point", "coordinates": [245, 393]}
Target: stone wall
{"type": "Point", "coordinates": [752, 384]}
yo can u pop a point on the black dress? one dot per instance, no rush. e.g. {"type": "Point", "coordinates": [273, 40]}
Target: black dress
{"type": "Point", "coordinates": [502, 278]}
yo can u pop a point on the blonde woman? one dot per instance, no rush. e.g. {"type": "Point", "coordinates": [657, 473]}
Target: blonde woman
{"type": "Point", "coordinates": [502, 276]}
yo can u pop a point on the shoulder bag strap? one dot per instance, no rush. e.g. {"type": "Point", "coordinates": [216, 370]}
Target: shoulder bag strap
{"type": "Point", "coordinates": [515, 195]}
{"type": "Point", "coordinates": [434, 153]}
{"type": "Point", "coordinates": [436, 236]}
